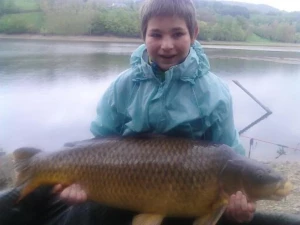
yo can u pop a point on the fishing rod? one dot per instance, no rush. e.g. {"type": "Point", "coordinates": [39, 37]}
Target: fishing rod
{"type": "Point", "coordinates": [282, 148]}
{"type": "Point", "coordinates": [268, 111]}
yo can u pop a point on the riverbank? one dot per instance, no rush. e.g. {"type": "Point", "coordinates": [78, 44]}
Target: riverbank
{"type": "Point", "coordinates": [137, 40]}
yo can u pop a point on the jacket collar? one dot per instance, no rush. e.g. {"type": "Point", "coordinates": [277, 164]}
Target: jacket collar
{"type": "Point", "coordinates": [195, 65]}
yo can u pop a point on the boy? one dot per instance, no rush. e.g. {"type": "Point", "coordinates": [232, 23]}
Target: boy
{"type": "Point", "coordinates": [169, 89]}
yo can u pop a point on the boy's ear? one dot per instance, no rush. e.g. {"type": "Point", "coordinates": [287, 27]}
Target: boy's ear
{"type": "Point", "coordinates": [196, 32]}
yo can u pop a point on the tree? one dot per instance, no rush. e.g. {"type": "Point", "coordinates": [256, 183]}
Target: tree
{"type": "Point", "coordinates": [205, 31]}
{"type": "Point", "coordinates": [285, 32]}
{"type": "Point", "coordinates": [206, 15]}
{"type": "Point", "coordinates": [1, 7]}
{"type": "Point", "coordinates": [297, 38]}
{"type": "Point", "coordinates": [227, 29]}
{"type": "Point", "coordinates": [120, 22]}
{"type": "Point", "coordinates": [297, 26]}
{"type": "Point", "coordinates": [7, 7]}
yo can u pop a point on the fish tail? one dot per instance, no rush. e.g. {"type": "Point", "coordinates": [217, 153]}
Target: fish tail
{"type": "Point", "coordinates": [24, 171]}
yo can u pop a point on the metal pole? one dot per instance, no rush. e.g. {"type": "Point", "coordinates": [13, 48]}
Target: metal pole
{"type": "Point", "coordinates": [268, 111]}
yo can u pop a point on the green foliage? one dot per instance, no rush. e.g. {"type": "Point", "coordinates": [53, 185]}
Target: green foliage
{"type": "Point", "coordinates": [228, 29]}
{"type": "Point", "coordinates": [217, 20]}
{"type": "Point", "coordinates": [297, 38]}
{"type": "Point", "coordinates": [120, 22]}
{"type": "Point", "coordinates": [281, 32]}
{"type": "Point", "coordinates": [223, 9]}
{"type": "Point", "coordinates": [206, 32]}
{"type": "Point", "coordinates": [206, 15]}
{"type": "Point", "coordinates": [26, 5]}
{"type": "Point", "coordinates": [257, 39]}
{"type": "Point", "coordinates": [77, 22]}
{"type": "Point", "coordinates": [234, 11]}
{"type": "Point", "coordinates": [21, 23]}
{"type": "Point", "coordinates": [1, 8]}
{"type": "Point", "coordinates": [18, 6]}
{"type": "Point", "coordinates": [298, 26]}
{"type": "Point", "coordinates": [7, 7]}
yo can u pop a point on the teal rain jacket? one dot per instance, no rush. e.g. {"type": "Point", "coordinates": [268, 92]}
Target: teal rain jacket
{"type": "Point", "coordinates": [190, 102]}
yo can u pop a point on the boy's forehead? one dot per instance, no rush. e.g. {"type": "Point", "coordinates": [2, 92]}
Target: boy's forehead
{"type": "Point", "coordinates": [167, 17]}
{"type": "Point", "coordinates": [170, 28]}
{"type": "Point", "coordinates": [173, 23]}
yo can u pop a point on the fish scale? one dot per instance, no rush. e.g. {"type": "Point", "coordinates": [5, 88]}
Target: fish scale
{"type": "Point", "coordinates": [162, 175]}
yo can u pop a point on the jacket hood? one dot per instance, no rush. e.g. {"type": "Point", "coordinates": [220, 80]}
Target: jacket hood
{"type": "Point", "coordinates": [195, 65]}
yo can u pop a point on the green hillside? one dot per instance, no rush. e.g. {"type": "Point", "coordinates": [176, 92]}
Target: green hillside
{"type": "Point", "coordinates": [218, 21]}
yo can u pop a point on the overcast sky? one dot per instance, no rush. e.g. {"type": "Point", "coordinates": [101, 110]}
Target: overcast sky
{"type": "Point", "coordinates": [288, 5]}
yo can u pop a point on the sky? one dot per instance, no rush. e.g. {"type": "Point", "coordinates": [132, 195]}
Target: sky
{"type": "Point", "coordinates": [287, 5]}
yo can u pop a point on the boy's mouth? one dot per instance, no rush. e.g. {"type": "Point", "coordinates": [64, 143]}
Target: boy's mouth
{"type": "Point", "coordinates": [167, 56]}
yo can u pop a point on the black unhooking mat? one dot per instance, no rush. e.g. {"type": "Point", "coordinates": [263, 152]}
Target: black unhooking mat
{"type": "Point", "coordinates": [43, 208]}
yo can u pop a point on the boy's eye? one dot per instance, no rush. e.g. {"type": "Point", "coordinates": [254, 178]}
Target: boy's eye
{"type": "Point", "coordinates": [155, 35]}
{"type": "Point", "coordinates": [178, 34]}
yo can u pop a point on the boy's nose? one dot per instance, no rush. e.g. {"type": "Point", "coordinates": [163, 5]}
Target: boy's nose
{"type": "Point", "coordinates": [167, 44]}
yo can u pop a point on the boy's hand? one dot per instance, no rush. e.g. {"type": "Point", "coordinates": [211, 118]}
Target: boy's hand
{"type": "Point", "coordinates": [239, 209]}
{"type": "Point", "coordinates": [73, 194]}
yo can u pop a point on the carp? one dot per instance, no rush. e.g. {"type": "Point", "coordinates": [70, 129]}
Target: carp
{"type": "Point", "coordinates": [155, 176]}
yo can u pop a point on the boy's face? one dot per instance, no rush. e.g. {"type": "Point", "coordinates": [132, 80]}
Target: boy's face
{"type": "Point", "coordinates": [168, 40]}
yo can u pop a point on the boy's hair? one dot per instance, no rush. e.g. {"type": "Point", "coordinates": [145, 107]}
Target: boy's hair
{"type": "Point", "coordinates": [182, 8]}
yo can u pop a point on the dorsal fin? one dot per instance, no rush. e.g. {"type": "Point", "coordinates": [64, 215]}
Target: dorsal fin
{"type": "Point", "coordinates": [25, 153]}
{"type": "Point", "coordinates": [22, 159]}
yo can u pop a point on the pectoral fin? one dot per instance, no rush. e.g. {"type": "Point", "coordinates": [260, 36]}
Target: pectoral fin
{"type": "Point", "coordinates": [147, 219]}
{"type": "Point", "coordinates": [211, 219]}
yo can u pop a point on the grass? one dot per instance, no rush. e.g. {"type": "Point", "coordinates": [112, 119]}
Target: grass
{"type": "Point", "coordinates": [253, 38]}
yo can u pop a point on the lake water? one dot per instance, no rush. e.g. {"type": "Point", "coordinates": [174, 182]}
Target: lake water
{"type": "Point", "coordinates": [49, 91]}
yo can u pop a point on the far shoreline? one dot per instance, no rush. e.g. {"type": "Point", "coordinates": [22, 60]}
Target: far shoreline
{"type": "Point", "coordinates": [83, 38]}
{"type": "Point", "coordinates": [79, 38]}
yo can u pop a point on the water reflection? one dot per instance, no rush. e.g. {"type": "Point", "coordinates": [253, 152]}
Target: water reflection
{"type": "Point", "coordinates": [49, 91]}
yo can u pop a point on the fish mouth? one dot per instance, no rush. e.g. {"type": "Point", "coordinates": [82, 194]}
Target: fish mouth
{"type": "Point", "coordinates": [283, 189]}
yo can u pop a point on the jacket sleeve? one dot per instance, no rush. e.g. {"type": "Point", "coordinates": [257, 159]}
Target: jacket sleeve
{"type": "Point", "coordinates": [226, 133]}
{"type": "Point", "coordinates": [108, 121]}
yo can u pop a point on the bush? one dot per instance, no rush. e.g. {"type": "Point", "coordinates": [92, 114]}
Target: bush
{"type": "Point", "coordinates": [228, 29]}
{"type": "Point", "coordinates": [119, 22]}
{"type": "Point", "coordinates": [21, 23]}
{"type": "Point", "coordinates": [67, 22]}
{"type": "Point", "coordinates": [205, 31]}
